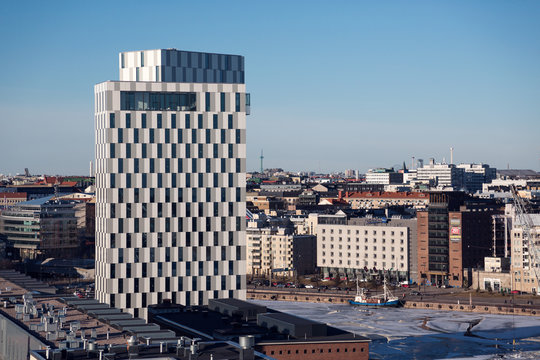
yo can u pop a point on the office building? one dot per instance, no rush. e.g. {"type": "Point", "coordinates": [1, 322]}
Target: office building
{"type": "Point", "coordinates": [170, 179]}
{"type": "Point", "coordinates": [40, 228]}
{"type": "Point", "coordinates": [476, 175]}
{"type": "Point", "coordinates": [454, 233]}
{"type": "Point", "coordinates": [441, 176]}
{"type": "Point", "coordinates": [384, 176]}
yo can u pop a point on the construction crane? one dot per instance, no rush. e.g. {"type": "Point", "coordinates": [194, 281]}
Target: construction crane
{"type": "Point", "coordinates": [532, 244]}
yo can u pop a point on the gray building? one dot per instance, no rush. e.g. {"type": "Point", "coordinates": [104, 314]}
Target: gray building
{"type": "Point", "coordinates": [170, 179]}
{"type": "Point", "coordinates": [475, 175]}
{"type": "Point", "coordinates": [44, 227]}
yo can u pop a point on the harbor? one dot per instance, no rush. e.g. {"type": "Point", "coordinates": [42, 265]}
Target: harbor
{"type": "Point", "coordinates": [429, 333]}
{"type": "Point", "coordinates": [464, 303]}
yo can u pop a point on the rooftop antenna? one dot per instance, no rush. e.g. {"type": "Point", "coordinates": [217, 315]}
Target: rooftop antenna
{"type": "Point", "coordinates": [451, 155]}
{"type": "Point", "coordinates": [412, 165]}
{"type": "Point", "coordinates": [262, 157]}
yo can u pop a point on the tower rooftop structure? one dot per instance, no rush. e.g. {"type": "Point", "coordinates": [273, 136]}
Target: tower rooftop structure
{"type": "Point", "coordinates": [172, 65]}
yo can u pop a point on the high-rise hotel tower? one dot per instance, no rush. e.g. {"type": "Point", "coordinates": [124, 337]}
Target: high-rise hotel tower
{"type": "Point", "coordinates": [170, 179]}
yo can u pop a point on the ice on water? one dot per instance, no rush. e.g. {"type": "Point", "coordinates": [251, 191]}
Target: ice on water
{"type": "Point", "coordinates": [428, 334]}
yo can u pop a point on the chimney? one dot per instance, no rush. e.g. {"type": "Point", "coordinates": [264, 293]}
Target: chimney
{"type": "Point", "coordinates": [246, 347]}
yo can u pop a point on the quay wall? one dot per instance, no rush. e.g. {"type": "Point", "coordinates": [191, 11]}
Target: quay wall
{"type": "Point", "coordinates": [409, 304]}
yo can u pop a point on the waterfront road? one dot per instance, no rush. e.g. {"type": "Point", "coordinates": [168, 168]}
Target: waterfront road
{"type": "Point", "coordinates": [430, 294]}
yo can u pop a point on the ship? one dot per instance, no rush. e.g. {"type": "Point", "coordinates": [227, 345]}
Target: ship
{"type": "Point", "coordinates": [386, 299]}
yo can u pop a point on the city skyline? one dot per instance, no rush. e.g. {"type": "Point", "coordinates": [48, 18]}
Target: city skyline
{"type": "Point", "coordinates": [354, 86]}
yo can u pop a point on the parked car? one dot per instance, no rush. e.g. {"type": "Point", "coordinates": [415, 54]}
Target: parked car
{"type": "Point", "coordinates": [309, 286]}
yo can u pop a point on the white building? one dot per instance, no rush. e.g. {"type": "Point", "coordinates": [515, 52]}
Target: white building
{"type": "Point", "coordinates": [278, 250]}
{"type": "Point", "coordinates": [524, 262]}
{"type": "Point", "coordinates": [441, 175]}
{"type": "Point", "coordinates": [170, 179]}
{"type": "Point", "coordinates": [369, 245]}
{"type": "Point", "coordinates": [383, 176]}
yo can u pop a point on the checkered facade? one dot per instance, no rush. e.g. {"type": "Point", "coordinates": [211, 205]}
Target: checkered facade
{"type": "Point", "coordinates": [170, 190]}
{"type": "Point", "coordinates": [173, 65]}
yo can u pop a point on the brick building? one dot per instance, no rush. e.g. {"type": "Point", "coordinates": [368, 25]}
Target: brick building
{"type": "Point", "coordinates": [454, 233]}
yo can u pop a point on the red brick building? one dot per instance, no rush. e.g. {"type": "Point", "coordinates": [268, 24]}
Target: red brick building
{"type": "Point", "coordinates": [454, 232]}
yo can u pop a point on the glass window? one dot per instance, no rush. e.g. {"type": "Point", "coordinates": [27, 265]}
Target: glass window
{"type": "Point", "coordinates": [222, 101]}
{"type": "Point", "coordinates": [207, 101]}
{"type": "Point", "coordinates": [237, 102]}
{"type": "Point", "coordinates": [142, 100]}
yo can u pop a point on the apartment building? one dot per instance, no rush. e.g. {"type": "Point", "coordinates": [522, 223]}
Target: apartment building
{"type": "Point", "coordinates": [274, 247]}
{"type": "Point", "coordinates": [524, 261]}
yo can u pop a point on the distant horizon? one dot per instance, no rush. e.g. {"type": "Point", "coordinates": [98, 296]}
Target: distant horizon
{"type": "Point", "coordinates": [356, 86]}
{"type": "Point", "coordinates": [256, 171]}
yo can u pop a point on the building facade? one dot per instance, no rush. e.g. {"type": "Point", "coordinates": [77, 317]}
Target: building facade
{"type": "Point", "coordinates": [170, 179]}
{"type": "Point", "coordinates": [524, 276]}
{"type": "Point", "coordinates": [278, 250]}
{"type": "Point", "coordinates": [476, 175]}
{"type": "Point", "coordinates": [40, 228]}
{"type": "Point", "coordinates": [369, 246]}
{"type": "Point", "coordinates": [383, 176]}
{"type": "Point", "coordinates": [441, 175]}
{"type": "Point", "coordinates": [454, 233]}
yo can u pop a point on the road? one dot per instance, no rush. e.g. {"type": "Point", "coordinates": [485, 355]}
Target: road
{"type": "Point", "coordinates": [429, 294]}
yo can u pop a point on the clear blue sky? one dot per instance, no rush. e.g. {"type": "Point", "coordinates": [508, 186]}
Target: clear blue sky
{"type": "Point", "coordinates": [335, 85]}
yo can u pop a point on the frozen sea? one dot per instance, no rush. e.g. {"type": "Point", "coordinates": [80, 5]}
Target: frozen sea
{"type": "Point", "coordinates": [427, 334]}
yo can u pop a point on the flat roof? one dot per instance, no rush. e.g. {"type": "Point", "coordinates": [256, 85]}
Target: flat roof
{"type": "Point", "coordinates": [290, 319]}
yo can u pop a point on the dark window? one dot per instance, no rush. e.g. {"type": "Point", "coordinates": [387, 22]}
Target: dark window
{"type": "Point", "coordinates": [143, 100]}
{"type": "Point", "coordinates": [237, 98]}
{"type": "Point", "coordinates": [207, 101]}
{"type": "Point", "coordinates": [111, 120]}
{"type": "Point", "coordinates": [222, 101]}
